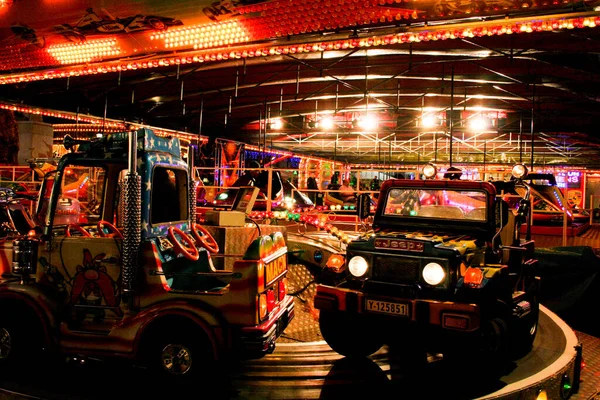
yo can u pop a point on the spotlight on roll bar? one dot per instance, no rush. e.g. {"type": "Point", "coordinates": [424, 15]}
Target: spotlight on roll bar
{"type": "Point", "coordinates": [429, 171]}
{"type": "Point", "coordinates": [519, 171]}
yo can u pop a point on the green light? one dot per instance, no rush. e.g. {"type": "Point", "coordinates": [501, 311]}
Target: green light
{"type": "Point", "coordinates": [345, 207]}
{"type": "Point", "coordinates": [565, 391]}
{"type": "Point", "coordinates": [412, 213]}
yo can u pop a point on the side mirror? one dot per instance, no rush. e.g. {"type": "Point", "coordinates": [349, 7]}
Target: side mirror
{"type": "Point", "coordinates": [363, 205]}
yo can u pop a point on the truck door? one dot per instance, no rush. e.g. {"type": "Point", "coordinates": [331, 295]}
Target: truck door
{"type": "Point", "coordinates": [83, 261]}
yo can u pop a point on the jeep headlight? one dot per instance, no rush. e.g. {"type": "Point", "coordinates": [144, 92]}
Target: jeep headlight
{"type": "Point", "coordinates": [433, 273]}
{"type": "Point", "coordinates": [358, 266]}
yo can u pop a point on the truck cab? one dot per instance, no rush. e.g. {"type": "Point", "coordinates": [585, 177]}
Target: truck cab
{"type": "Point", "coordinates": [444, 266]}
{"type": "Point", "coordinates": [122, 270]}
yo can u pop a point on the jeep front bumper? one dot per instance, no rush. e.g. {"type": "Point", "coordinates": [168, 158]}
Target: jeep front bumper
{"type": "Point", "coordinates": [446, 314]}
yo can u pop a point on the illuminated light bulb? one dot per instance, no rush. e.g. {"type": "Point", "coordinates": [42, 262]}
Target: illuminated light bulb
{"type": "Point", "coordinates": [276, 123]}
{"type": "Point", "coordinates": [428, 121]}
{"type": "Point", "coordinates": [326, 123]}
{"type": "Point", "coordinates": [478, 124]}
{"type": "Point", "coordinates": [368, 122]}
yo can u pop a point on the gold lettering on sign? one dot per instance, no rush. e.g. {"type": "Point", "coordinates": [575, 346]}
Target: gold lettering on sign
{"type": "Point", "coordinates": [399, 244]}
{"type": "Point", "coordinates": [274, 269]}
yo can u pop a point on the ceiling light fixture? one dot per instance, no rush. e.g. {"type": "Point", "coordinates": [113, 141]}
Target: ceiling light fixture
{"type": "Point", "coordinates": [276, 124]}
{"type": "Point", "coordinates": [428, 121]}
{"type": "Point", "coordinates": [478, 124]}
{"type": "Point", "coordinates": [326, 123]}
{"type": "Point", "coordinates": [368, 122]}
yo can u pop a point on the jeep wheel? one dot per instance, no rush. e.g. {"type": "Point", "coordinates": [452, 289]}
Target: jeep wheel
{"type": "Point", "coordinates": [6, 345]}
{"type": "Point", "coordinates": [525, 331]}
{"type": "Point", "coordinates": [178, 356]}
{"type": "Point", "coordinates": [350, 336]}
{"type": "Point", "coordinates": [408, 351]}
{"type": "Point", "coordinates": [494, 338]}
{"type": "Point", "coordinates": [16, 345]}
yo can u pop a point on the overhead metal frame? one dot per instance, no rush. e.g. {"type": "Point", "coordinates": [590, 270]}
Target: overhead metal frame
{"type": "Point", "coordinates": [520, 75]}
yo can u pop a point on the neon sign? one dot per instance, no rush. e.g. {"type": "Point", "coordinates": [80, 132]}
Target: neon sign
{"type": "Point", "coordinates": [569, 179]}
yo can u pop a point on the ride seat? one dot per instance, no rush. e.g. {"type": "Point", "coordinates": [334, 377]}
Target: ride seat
{"type": "Point", "coordinates": [200, 275]}
{"type": "Point", "coordinates": [444, 212]}
{"type": "Point", "coordinates": [478, 214]}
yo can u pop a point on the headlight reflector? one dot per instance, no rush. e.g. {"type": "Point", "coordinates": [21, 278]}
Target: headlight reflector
{"type": "Point", "coordinates": [433, 273]}
{"type": "Point", "coordinates": [358, 266]}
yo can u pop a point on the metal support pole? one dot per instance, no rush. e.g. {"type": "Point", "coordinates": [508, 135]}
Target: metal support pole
{"type": "Point", "coordinates": [451, 111]}
{"type": "Point", "coordinates": [200, 116]}
{"type": "Point", "coordinates": [532, 117]}
{"type": "Point", "coordinates": [521, 139]}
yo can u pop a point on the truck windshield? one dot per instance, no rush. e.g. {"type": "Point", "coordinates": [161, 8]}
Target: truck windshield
{"type": "Point", "coordinates": [80, 199]}
{"type": "Point", "coordinates": [450, 204]}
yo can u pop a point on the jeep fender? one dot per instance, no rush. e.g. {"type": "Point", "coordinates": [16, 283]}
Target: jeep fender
{"type": "Point", "coordinates": [161, 316]}
{"type": "Point", "coordinates": [29, 299]}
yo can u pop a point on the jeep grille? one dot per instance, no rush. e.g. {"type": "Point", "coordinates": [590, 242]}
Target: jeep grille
{"type": "Point", "coordinates": [397, 269]}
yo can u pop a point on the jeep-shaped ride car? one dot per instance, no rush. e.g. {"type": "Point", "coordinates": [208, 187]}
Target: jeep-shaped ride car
{"type": "Point", "coordinates": [444, 267]}
{"type": "Point", "coordinates": [121, 269]}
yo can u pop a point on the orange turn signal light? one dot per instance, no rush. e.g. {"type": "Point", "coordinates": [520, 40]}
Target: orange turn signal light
{"type": "Point", "coordinates": [336, 262]}
{"type": "Point", "coordinates": [473, 276]}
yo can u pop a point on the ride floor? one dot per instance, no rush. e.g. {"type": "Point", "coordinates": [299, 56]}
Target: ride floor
{"type": "Point", "coordinates": [303, 366]}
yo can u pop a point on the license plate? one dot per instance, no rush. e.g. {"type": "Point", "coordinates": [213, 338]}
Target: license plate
{"type": "Point", "coordinates": [386, 307]}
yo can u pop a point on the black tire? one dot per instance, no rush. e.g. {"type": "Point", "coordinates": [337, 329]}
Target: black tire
{"type": "Point", "coordinates": [494, 337]}
{"type": "Point", "coordinates": [408, 351]}
{"type": "Point", "coordinates": [525, 330]}
{"type": "Point", "coordinates": [18, 342]}
{"type": "Point", "coordinates": [7, 348]}
{"type": "Point", "coordinates": [488, 348]}
{"type": "Point", "coordinates": [350, 336]}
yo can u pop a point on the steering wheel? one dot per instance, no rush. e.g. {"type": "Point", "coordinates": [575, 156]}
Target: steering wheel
{"type": "Point", "coordinates": [112, 230]}
{"type": "Point", "coordinates": [190, 251]}
{"type": "Point", "coordinates": [77, 228]}
{"type": "Point", "coordinates": [206, 238]}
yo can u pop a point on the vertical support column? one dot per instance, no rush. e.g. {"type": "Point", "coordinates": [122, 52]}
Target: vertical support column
{"type": "Point", "coordinates": [451, 112]}
{"type": "Point", "coordinates": [131, 208]}
{"type": "Point", "coordinates": [532, 125]}
{"type": "Point", "coordinates": [193, 184]}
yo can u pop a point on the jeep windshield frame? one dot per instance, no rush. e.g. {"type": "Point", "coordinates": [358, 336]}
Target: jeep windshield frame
{"type": "Point", "coordinates": [437, 205]}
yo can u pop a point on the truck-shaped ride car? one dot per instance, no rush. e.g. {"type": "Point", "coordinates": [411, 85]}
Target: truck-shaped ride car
{"type": "Point", "coordinates": [443, 269]}
{"type": "Point", "coordinates": [118, 267]}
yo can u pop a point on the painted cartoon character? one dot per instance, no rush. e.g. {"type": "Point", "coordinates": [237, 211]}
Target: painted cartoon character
{"type": "Point", "coordinates": [92, 286]}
